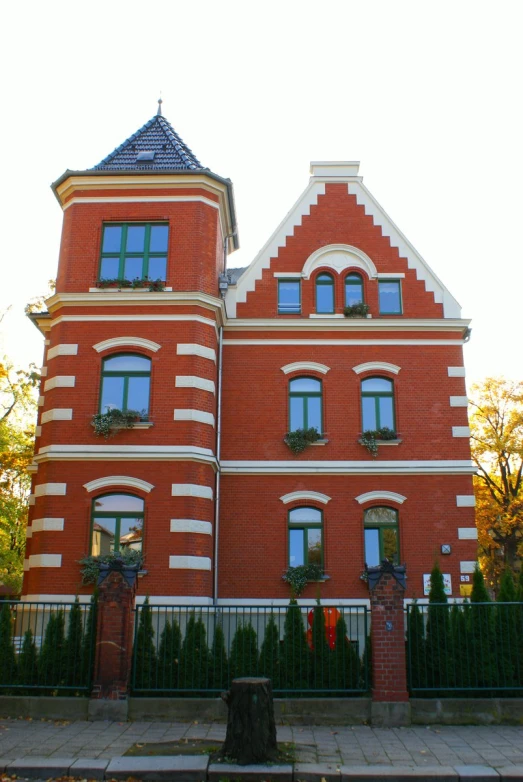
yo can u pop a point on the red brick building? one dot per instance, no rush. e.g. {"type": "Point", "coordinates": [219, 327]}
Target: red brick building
{"type": "Point", "coordinates": [220, 364]}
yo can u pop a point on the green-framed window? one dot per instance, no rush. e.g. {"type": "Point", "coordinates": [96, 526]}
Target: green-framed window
{"type": "Point", "coordinates": [324, 294]}
{"type": "Point", "coordinates": [377, 403]}
{"type": "Point", "coordinates": [305, 537]}
{"type": "Point", "coordinates": [116, 523]}
{"type": "Point", "coordinates": [305, 404]}
{"type": "Point", "coordinates": [134, 251]}
{"type": "Point", "coordinates": [126, 383]}
{"type": "Point", "coordinates": [389, 293]}
{"type": "Point", "coordinates": [289, 297]}
{"type": "Point", "coordinates": [381, 536]}
{"type": "Point", "coordinates": [353, 289]}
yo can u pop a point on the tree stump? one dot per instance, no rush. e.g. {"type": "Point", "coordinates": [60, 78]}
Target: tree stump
{"type": "Point", "coordinates": [251, 730]}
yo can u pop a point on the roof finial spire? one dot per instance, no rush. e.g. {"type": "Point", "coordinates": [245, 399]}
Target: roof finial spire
{"type": "Point", "coordinates": [159, 112]}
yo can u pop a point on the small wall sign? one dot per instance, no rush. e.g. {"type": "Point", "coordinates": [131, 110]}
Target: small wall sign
{"type": "Point", "coordinates": [447, 583]}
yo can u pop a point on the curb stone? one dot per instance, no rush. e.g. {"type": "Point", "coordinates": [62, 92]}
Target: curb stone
{"type": "Point", "coordinates": [32, 768]}
{"type": "Point", "coordinates": [314, 772]}
{"type": "Point", "coordinates": [190, 768]}
{"type": "Point", "coordinates": [257, 773]}
{"type": "Point", "coordinates": [477, 773]}
{"type": "Point", "coordinates": [398, 773]}
{"type": "Point", "coordinates": [90, 768]}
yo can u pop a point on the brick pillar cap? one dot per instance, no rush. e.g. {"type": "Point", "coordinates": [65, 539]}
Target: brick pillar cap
{"type": "Point", "coordinates": [374, 574]}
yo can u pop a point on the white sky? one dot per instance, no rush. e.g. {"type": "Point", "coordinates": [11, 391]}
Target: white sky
{"type": "Point", "coordinates": [427, 95]}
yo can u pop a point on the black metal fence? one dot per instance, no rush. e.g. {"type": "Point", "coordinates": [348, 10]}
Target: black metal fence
{"type": "Point", "coordinates": [466, 649]}
{"type": "Point", "coordinates": [305, 650]}
{"type": "Point", "coordinates": [46, 648]}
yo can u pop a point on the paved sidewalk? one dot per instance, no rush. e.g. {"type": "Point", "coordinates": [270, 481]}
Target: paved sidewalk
{"type": "Point", "coordinates": [497, 746]}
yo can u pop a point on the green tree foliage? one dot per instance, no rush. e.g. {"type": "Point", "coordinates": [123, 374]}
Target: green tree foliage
{"type": "Point", "coordinates": [244, 652]}
{"type": "Point", "coordinates": [416, 647]}
{"type": "Point", "coordinates": [194, 663]}
{"type": "Point", "coordinates": [295, 658]}
{"type": "Point", "coordinates": [269, 664]}
{"type": "Point", "coordinates": [438, 643]}
{"type": "Point", "coordinates": [219, 670]}
{"type": "Point", "coordinates": [345, 663]}
{"type": "Point", "coordinates": [145, 650]}
{"type": "Point", "coordinates": [7, 652]}
{"type": "Point", "coordinates": [52, 656]}
{"type": "Point", "coordinates": [321, 653]}
{"type": "Point", "coordinates": [28, 662]}
{"type": "Point", "coordinates": [169, 656]}
{"type": "Point", "coordinates": [73, 646]}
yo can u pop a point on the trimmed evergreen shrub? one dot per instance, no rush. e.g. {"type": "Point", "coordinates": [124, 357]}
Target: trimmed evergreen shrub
{"type": "Point", "coordinates": [244, 652]}
{"type": "Point", "coordinates": [345, 661]}
{"type": "Point", "coordinates": [194, 657]}
{"type": "Point", "coordinates": [507, 631]}
{"type": "Point", "coordinates": [219, 672]}
{"type": "Point", "coordinates": [7, 650]}
{"type": "Point", "coordinates": [145, 661]}
{"type": "Point", "coordinates": [416, 662]}
{"type": "Point", "coordinates": [88, 644]}
{"type": "Point", "coordinates": [366, 663]}
{"type": "Point", "coordinates": [482, 637]}
{"type": "Point", "coordinates": [438, 645]}
{"type": "Point", "coordinates": [269, 664]}
{"type": "Point", "coordinates": [73, 647]}
{"type": "Point", "coordinates": [52, 668]}
{"type": "Point", "coordinates": [321, 653]}
{"type": "Point", "coordinates": [28, 663]}
{"type": "Point", "coordinates": [169, 656]}
{"type": "Point", "coordinates": [459, 624]}
{"type": "Point", "coordinates": [295, 657]}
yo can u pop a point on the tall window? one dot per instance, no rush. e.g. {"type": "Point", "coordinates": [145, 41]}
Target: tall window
{"type": "Point", "coordinates": [353, 289]}
{"type": "Point", "coordinates": [377, 403]}
{"type": "Point", "coordinates": [289, 297]}
{"type": "Point", "coordinates": [381, 536]}
{"type": "Point", "coordinates": [305, 537]}
{"type": "Point", "coordinates": [131, 251]}
{"type": "Point", "coordinates": [324, 293]}
{"type": "Point", "coordinates": [126, 381]}
{"type": "Point", "coordinates": [305, 404]}
{"type": "Point", "coordinates": [117, 523]}
{"type": "Point", "coordinates": [390, 297]}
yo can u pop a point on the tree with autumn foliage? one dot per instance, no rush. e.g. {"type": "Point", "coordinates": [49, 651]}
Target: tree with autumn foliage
{"type": "Point", "coordinates": [496, 421]}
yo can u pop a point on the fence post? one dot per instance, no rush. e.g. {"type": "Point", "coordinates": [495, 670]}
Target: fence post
{"type": "Point", "coordinates": [390, 698]}
{"type": "Point", "coordinates": [114, 642]}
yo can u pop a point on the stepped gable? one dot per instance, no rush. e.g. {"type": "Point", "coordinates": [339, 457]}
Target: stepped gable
{"type": "Point", "coordinates": [155, 147]}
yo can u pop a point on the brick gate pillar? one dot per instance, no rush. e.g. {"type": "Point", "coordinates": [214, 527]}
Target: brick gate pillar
{"type": "Point", "coordinates": [114, 633]}
{"type": "Point", "coordinates": [390, 698]}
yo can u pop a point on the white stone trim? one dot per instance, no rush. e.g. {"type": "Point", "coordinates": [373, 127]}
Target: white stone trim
{"type": "Point", "coordinates": [189, 563]}
{"type": "Point", "coordinates": [31, 500]}
{"type": "Point", "coordinates": [467, 566]}
{"type": "Point", "coordinates": [38, 431]}
{"type": "Point", "coordinates": [187, 601]}
{"type": "Point", "coordinates": [120, 342]}
{"type": "Point", "coordinates": [266, 604]}
{"type": "Point", "coordinates": [193, 349]}
{"type": "Point", "coordinates": [376, 366]}
{"type": "Point", "coordinates": [62, 350]}
{"type": "Point", "coordinates": [191, 525]}
{"type": "Point", "coordinates": [298, 496]}
{"type": "Point", "coordinates": [45, 560]}
{"type": "Point", "coordinates": [115, 452]}
{"type": "Point", "coordinates": [339, 257]}
{"type": "Point", "coordinates": [347, 325]}
{"type": "Point", "coordinates": [467, 533]}
{"type": "Point", "coordinates": [50, 490]}
{"type": "Point", "coordinates": [456, 371]}
{"type": "Point", "coordinates": [186, 414]}
{"type": "Point", "coordinates": [60, 381]}
{"type": "Point", "coordinates": [334, 169]}
{"type": "Point", "coordinates": [461, 431]}
{"type": "Point", "coordinates": [371, 496]}
{"type": "Point", "coordinates": [194, 381]}
{"type": "Point", "coordinates": [43, 371]}
{"type": "Point", "coordinates": [331, 316]}
{"type": "Point", "coordinates": [57, 414]}
{"type": "Point", "coordinates": [47, 525]}
{"type": "Point", "coordinates": [119, 480]}
{"type": "Point", "coordinates": [288, 275]}
{"type": "Point", "coordinates": [26, 568]}
{"type": "Point", "coordinates": [83, 599]}
{"type": "Point", "coordinates": [41, 401]}
{"type": "Point", "coordinates": [465, 501]}
{"type": "Point", "coordinates": [131, 291]}
{"type": "Point", "coordinates": [390, 276]}
{"type": "Point", "coordinates": [191, 490]}
{"type": "Point", "coordinates": [414, 467]}
{"type": "Point", "coordinates": [340, 342]}
{"type": "Point", "coordinates": [458, 401]}
{"type": "Point", "coordinates": [305, 366]}
{"type": "Point", "coordinates": [137, 200]}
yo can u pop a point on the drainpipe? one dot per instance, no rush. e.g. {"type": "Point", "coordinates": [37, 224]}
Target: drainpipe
{"type": "Point", "coordinates": [219, 430]}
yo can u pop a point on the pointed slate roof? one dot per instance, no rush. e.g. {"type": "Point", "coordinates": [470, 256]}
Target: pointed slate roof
{"type": "Point", "coordinates": [154, 147]}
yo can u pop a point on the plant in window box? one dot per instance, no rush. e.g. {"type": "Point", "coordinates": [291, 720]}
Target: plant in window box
{"type": "Point", "coordinates": [359, 310]}
{"type": "Point", "coordinates": [107, 424]}
{"type": "Point", "coordinates": [138, 282]}
{"type": "Point", "coordinates": [115, 560]}
{"type": "Point", "coordinates": [300, 439]}
{"type": "Point", "coordinates": [298, 577]}
{"type": "Point", "coordinates": [369, 438]}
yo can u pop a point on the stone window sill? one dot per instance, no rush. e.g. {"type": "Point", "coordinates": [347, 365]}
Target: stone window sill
{"type": "Point", "coordinates": [323, 441]}
{"type": "Point", "coordinates": [115, 289]}
{"type": "Point", "coordinates": [386, 442]}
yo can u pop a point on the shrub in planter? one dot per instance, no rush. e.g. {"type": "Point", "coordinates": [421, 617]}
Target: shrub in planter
{"type": "Point", "coordinates": [138, 282]}
{"type": "Point", "coordinates": [370, 437]}
{"type": "Point", "coordinates": [91, 564]}
{"type": "Point", "coordinates": [356, 310]}
{"type": "Point", "coordinates": [298, 577]}
{"type": "Point", "coordinates": [107, 424]}
{"type": "Point", "coordinates": [300, 439]}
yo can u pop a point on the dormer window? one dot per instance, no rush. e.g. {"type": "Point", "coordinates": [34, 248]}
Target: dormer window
{"type": "Point", "coordinates": [145, 157]}
{"type": "Point", "coordinates": [324, 294]}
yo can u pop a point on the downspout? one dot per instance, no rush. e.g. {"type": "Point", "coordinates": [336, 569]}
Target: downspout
{"type": "Point", "coordinates": [219, 432]}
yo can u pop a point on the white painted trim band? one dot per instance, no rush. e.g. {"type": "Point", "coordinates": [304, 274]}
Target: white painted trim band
{"type": "Point", "coordinates": [57, 414]}
{"type": "Point", "coordinates": [119, 342]}
{"type": "Point", "coordinates": [119, 480]}
{"type": "Point", "coordinates": [340, 342]}
{"type": "Point", "coordinates": [305, 366]}
{"type": "Point", "coordinates": [60, 381]}
{"type": "Point", "coordinates": [191, 490]}
{"type": "Point", "coordinates": [465, 501]}
{"type": "Point", "coordinates": [189, 563]}
{"type": "Point", "coordinates": [191, 525]}
{"type": "Point", "coordinates": [194, 415]}
{"type": "Point", "coordinates": [194, 381]}
{"type": "Point", "coordinates": [193, 349]}
{"type": "Point", "coordinates": [376, 366]}
{"type": "Point", "coordinates": [62, 350]}
{"type": "Point", "coordinates": [288, 275]}
{"type": "Point", "coordinates": [435, 467]}
{"type": "Point", "coordinates": [371, 496]}
{"type": "Point", "coordinates": [298, 496]}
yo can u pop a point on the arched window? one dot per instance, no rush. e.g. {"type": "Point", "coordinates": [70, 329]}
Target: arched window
{"type": "Point", "coordinates": [353, 289]}
{"type": "Point", "coordinates": [305, 404]}
{"type": "Point", "coordinates": [126, 380]}
{"type": "Point", "coordinates": [324, 294]}
{"type": "Point", "coordinates": [377, 403]}
{"type": "Point", "coordinates": [305, 537]}
{"type": "Point", "coordinates": [381, 536]}
{"type": "Point", "coordinates": [117, 523]}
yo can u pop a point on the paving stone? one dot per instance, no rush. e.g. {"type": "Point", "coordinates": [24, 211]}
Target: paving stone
{"type": "Point", "coordinates": [314, 772]}
{"type": "Point", "coordinates": [90, 768]}
{"type": "Point", "coordinates": [397, 774]}
{"type": "Point", "coordinates": [477, 773]}
{"type": "Point", "coordinates": [40, 767]}
{"type": "Point", "coordinates": [189, 768]}
{"type": "Point", "coordinates": [257, 773]}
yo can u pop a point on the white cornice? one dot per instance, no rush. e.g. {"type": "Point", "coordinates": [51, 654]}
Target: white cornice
{"type": "Point", "coordinates": [128, 299]}
{"type": "Point", "coordinates": [436, 467]}
{"type": "Point", "coordinates": [135, 453]}
{"type": "Point", "coordinates": [340, 342]}
{"type": "Point", "coordinates": [347, 324]}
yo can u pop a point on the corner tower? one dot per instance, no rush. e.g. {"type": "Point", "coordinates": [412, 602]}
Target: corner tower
{"type": "Point", "coordinates": [133, 326]}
